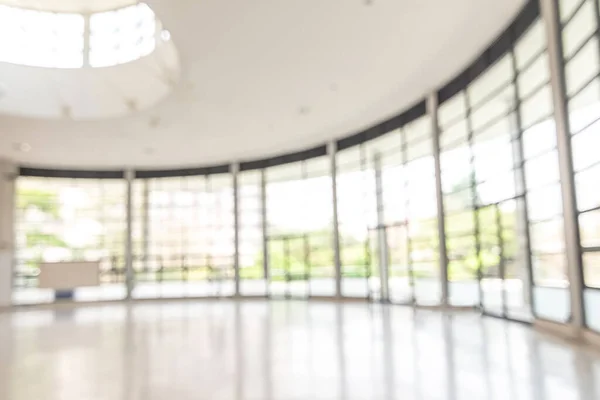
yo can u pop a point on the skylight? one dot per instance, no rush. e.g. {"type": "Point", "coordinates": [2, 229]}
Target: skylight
{"type": "Point", "coordinates": [58, 40]}
{"type": "Point", "coordinates": [121, 36]}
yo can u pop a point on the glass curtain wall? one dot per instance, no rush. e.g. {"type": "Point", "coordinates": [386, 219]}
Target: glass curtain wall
{"type": "Point", "coordinates": [421, 210]}
{"type": "Point", "coordinates": [501, 258]}
{"type": "Point", "coordinates": [501, 188]}
{"type": "Point", "coordinates": [65, 220]}
{"type": "Point", "coordinates": [459, 194]}
{"type": "Point", "coordinates": [403, 235]}
{"type": "Point", "coordinates": [253, 276]}
{"type": "Point", "coordinates": [299, 229]}
{"type": "Point", "coordinates": [357, 220]}
{"type": "Point", "coordinates": [388, 232]}
{"type": "Point", "coordinates": [501, 191]}
{"type": "Point", "coordinates": [183, 237]}
{"type": "Point", "coordinates": [581, 56]}
{"type": "Point", "coordinates": [549, 265]}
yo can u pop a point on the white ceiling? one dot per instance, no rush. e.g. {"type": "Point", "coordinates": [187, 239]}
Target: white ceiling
{"type": "Point", "coordinates": [90, 93]}
{"type": "Point", "coordinates": [264, 77]}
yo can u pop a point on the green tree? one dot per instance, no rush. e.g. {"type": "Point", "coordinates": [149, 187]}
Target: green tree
{"type": "Point", "coordinates": [47, 203]}
{"type": "Point", "coordinates": [42, 200]}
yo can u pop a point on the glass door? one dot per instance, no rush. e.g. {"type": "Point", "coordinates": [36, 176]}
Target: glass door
{"type": "Point", "coordinates": [491, 260]}
{"type": "Point", "coordinates": [289, 266]}
{"type": "Point", "coordinates": [401, 275]}
{"type": "Point", "coordinates": [390, 273]}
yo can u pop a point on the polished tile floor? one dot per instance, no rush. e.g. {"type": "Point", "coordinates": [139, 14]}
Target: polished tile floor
{"type": "Point", "coordinates": [227, 350]}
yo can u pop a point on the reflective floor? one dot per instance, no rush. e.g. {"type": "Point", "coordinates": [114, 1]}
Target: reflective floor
{"type": "Point", "coordinates": [227, 350]}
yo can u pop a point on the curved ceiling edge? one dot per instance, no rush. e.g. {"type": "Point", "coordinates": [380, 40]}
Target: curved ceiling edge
{"type": "Point", "coordinates": [498, 48]}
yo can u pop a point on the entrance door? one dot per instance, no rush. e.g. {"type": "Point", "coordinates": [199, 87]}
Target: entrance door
{"type": "Point", "coordinates": [492, 261]}
{"type": "Point", "coordinates": [391, 274]}
{"type": "Point", "coordinates": [289, 266]}
{"type": "Point", "coordinates": [504, 260]}
{"type": "Point", "coordinates": [401, 275]}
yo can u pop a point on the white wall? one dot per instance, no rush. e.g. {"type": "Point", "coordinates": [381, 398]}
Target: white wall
{"type": "Point", "coordinates": [7, 206]}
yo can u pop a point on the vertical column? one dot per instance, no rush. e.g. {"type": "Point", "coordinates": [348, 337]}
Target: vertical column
{"type": "Point", "coordinates": [8, 174]}
{"type": "Point", "coordinates": [475, 198]}
{"type": "Point", "coordinates": [264, 222]}
{"type": "Point", "coordinates": [432, 110]}
{"type": "Point", "coordinates": [332, 150]}
{"type": "Point", "coordinates": [382, 244]}
{"type": "Point", "coordinates": [145, 224]}
{"type": "Point", "coordinates": [549, 9]}
{"type": "Point", "coordinates": [236, 223]}
{"type": "Point", "coordinates": [129, 276]}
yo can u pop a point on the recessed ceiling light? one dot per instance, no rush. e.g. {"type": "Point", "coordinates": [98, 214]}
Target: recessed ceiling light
{"type": "Point", "coordinates": [131, 104]}
{"type": "Point", "coordinates": [67, 112]}
{"type": "Point", "coordinates": [23, 147]}
{"type": "Point", "coordinates": [154, 122]}
{"type": "Point", "coordinates": [304, 110]}
{"type": "Point", "coordinates": [165, 35]}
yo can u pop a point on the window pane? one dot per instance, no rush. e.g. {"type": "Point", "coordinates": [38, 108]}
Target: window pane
{"type": "Point", "coordinates": [552, 303]}
{"type": "Point", "coordinates": [452, 109]}
{"type": "Point", "coordinates": [585, 147]}
{"type": "Point", "coordinates": [498, 75]}
{"type": "Point", "coordinates": [454, 134]}
{"type": "Point", "coordinates": [584, 108]}
{"type": "Point", "coordinates": [549, 270]}
{"type": "Point", "coordinates": [547, 237]}
{"type": "Point", "coordinates": [539, 139]}
{"type": "Point", "coordinates": [537, 108]}
{"type": "Point", "coordinates": [586, 184]}
{"type": "Point", "coordinates": [589, 227]}
{"type": "Point", "coordinates": [579, 29]}
{"type": "Point", "coordinates": [121, 36]}
{"type": "Point", "coordinates": [41, 39]}
{"type": "Point", "coordinates": [493, 109]}
{"type": "Point", "coordinates": [545, 203]}
{"type": "Point", "coordinates": [591, 265]}
{"type": "Point", "coordinates": [542, 170]}
{"type": "Point", "coordinates": [592, 312]}
{"type": "Point", "coordinates": [567, 8]}
{"type": "Point", "coordinates": [496, 189]}
{"type": "Point", "coordinates": [533, 77]}
{"type": "Point", "coordinates": [531, 43]}
{"type": "Point", "coordinates": [582, 68]}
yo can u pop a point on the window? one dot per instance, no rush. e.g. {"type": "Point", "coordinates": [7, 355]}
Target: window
{"type": "Point", "coordinates": [121, 36]}
{"type": "Point", "coordinates": [62, 220]}
{"type": "Point", "coordinates": [41, 39]}
{"type": "Point", "coordinates": [57, 40]}
{"type": "Point", "coordinates": [184, 236]}
{"type": "Point", "coordinates": [582, 69]}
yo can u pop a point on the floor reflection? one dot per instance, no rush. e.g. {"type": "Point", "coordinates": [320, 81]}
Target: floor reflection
{"type": "Point", "coordinates": [227, 350]}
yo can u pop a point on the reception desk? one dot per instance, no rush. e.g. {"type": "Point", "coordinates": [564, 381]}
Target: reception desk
{"type": "Point", "coordinates": [62, 276]}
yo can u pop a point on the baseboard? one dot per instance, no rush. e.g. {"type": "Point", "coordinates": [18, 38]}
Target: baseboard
{"type": "Point", "coordinates": [446, 308]}
{"type": "Point", "coordinates": [249, 297]}
{"type": "Point", "coordinates": [75, 304]}
{"type": "Point", "coordinates": [564, 331]}
{"type": "Point", "coordinates": [592, 338]}
{"type": "Point", "coordinates": [461, 308]}
{"type": "Point", "coordinates": [328, 298]}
